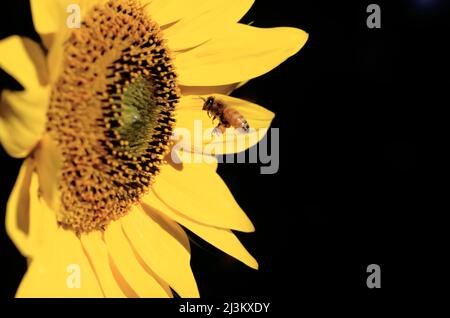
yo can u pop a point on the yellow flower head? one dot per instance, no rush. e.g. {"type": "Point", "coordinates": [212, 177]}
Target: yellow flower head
{"type": "Point", "coordinates": [99, 193]}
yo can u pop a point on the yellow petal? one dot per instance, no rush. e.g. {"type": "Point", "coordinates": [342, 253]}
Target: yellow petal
{"type": "Point", "coordinates": [55, 57]}
{"type": "Point", "coordinates": [177, 157]}
{"type": "Point", "coordinates": [47, 15]}
{"type": "Point", "coordinates": [22, 122]}
{"type": "Point", "coordinates": [201, 26]}
{"type": "Point", "coordinates": [155, 241]}
{"type": "Point", "coordinates": [29, 222]}
{"type": "Point", "coordinates": [239, 53]}
{"type": "Point", "coordinates": [50, 16]}
{"type": "Point", "coordinates": [24, 59]}
{"type": "Point", "coordinates": [191, 117]}
{"type": "Point", "coordinates": [199, 193]}
{"type": "Point", "coordinates": [18, 208]}
{"type": "Point", "coordinates": [223, 239]}
{"type": "Point", "coordinates": [168, 11]}
{"type": "Point", "coordinates": [48, 165]}
{"type": "Point", "coordinates": [60, 269]}
{"type": "Point", "coordinates": [98, 255]}
{"type": "Point", "coordinates": [141, 281]}
{"type": "Point", "coordinates": [23, 113]}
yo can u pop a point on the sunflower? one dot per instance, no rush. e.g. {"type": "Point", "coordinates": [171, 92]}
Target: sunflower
{"type": "Point", "coordinates": [99, 193]}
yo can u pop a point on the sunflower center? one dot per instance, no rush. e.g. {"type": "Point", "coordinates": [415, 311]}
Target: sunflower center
{"type": "Point", "coordinates": [138, 113]}
{"type": "Point", "coordinates": [111, 114]}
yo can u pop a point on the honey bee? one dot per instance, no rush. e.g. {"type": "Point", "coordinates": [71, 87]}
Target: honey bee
{"type": "Point", "coordinates": [228, 116]}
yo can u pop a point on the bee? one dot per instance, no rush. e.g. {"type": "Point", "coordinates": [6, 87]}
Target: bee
{"type": "Point", "coordinates": [228, 116]}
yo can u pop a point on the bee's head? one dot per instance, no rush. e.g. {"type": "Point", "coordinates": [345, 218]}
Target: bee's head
{"type": "Point", "coordinates": [208, 102]}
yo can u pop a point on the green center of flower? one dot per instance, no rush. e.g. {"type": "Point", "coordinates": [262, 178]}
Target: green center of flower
{"type": "Point", "coordinates": [111, 113]}
{"type": "Point", "coordinates": [137, 114]}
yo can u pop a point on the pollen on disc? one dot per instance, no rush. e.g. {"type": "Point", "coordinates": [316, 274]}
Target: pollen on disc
{"type": "Point", "coordinates": [111, 114]}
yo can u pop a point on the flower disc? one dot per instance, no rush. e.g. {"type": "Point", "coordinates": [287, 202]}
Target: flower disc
{"type": "Point", "coordinates": [111, 114]}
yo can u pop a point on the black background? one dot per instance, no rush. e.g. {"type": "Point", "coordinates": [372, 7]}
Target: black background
{"type": "Point", "coordinates": [353, 112]}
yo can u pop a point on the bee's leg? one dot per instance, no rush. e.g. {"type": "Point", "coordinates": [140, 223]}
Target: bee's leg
{"type": "Point", "coordinates": [219, 130]}
{"type": "Point", "coordinates": [246, 126]}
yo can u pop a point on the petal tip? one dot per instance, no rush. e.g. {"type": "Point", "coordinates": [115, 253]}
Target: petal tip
{"type": "Point", "coordinates": [253, 264]}
{"type": "Point", "coordinates": [299, 38]}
